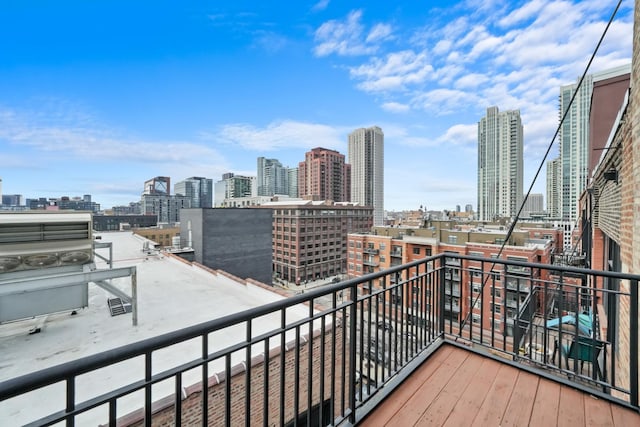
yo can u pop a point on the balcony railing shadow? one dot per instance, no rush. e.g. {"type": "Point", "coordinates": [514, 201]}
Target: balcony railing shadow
{"type": "Point", "coordinates": [336, 363]}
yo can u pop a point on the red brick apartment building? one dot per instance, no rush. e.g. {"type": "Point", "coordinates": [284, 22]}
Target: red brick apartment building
{"type": "Point", "coordinates": [368, 253]}
{"type": "Point", "coordinates": [310, 238]}
{"type": "Point", "coordinates": [324, 175]}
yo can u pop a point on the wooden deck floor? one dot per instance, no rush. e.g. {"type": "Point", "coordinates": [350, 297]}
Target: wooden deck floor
{"type": "Point", "coordinates": [455, 387]}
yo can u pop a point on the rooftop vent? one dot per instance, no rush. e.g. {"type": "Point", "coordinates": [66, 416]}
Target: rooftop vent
{"type": "Point", "coordinates": [117, 306]}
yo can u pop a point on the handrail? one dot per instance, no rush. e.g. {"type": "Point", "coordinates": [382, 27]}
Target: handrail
{"type": "Point", "coordinates": [402, 315]}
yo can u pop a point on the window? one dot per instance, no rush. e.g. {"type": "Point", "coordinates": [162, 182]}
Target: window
{"type": "Point", "coordinates": [453, 239]}
{"type": "Point", "coordinates": [416, 251]}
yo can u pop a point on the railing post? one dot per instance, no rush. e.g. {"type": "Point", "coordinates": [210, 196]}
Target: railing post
{"type": "Point", "coordinates": [353, 312]}
{"type": "Point", "coordinates": [633, 342]}
{"type": "Point", "coordinates": [441, 295]}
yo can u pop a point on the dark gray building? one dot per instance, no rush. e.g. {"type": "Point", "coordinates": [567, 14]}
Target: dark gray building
{"type": "Point", "coordinates": [237, 241]}
{"type": "Point", "coordinates": [112, 222]}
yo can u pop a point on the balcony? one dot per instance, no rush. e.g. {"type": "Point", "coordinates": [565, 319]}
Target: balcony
{"type": "Point", "coordinates": [337, 365]}
{"type": "Point", "coordinates": [371, 251]}
{"type": "Point", "coordinates": [370, 262]}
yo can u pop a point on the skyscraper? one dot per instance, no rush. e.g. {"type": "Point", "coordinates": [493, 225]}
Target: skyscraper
{"type": "Point", "coordinates": [198, 190]}
{"type": "Point", "coordinates": [574, 141]}
{"type": "Point", "coordinates": [366, 156]}
{"type": "Point", "coordinates": [554, 175]}
{"type": "Point", "coordinates": [273, 178]}
{"type": "Point", "coordinates": [500, 164]}
{"type": "Point", "coordinates": [574, 137]}
{"type": "Point", "coordinates": [324, 176]}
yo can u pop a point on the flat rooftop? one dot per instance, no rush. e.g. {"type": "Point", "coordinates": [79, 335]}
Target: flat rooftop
{"type": "Point", "coordinates": [172, 295]}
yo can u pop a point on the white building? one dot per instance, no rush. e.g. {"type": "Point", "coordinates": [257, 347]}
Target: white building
{"type": "Point", "coordinates": [366, 156]}
{"type": "Point", "coordinates": [232, 187]}
{"type": "Point", "coordinates": [500, 165]}
{"type": "Point", "coordinates": [554, 179]}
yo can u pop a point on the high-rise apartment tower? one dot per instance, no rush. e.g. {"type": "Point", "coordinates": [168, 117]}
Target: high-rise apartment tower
{"type": "Point", "coordinates": [366, 156]}
{"type": "Point", "coordinates": [499, 164]}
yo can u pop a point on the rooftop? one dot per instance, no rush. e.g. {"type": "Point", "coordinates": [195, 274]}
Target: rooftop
{"type": "Point", "coordinates": [172, 295]}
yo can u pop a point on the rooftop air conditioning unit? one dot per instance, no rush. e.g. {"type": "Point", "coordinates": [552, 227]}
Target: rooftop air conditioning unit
{"type": "Point", "coordinates": [30, 241]}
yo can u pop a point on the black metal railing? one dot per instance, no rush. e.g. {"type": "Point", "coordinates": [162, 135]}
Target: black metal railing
{"type": "Point", "coordinates": [330, 353]}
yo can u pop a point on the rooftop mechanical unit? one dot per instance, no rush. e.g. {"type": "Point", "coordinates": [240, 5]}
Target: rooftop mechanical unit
{"type": "Point", "coordinates": [33, 241]}
{"type": "Point", "coordinates": [35, 248]}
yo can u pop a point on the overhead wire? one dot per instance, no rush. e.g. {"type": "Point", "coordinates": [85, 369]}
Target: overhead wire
{"type": "Point", "coordinates": [542, 162]}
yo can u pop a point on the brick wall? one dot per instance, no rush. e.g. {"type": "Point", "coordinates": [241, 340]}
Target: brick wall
{"type": "Point", "coordinates": [630, 211]}
{"type": "Point", "coordinates": [164, 413]}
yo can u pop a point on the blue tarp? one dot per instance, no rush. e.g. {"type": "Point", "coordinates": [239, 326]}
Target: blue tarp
{"type": "Point", "coordinates": [584, 322]}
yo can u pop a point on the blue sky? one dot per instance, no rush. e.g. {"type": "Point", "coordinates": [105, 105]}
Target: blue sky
{"type": "Point", "coordinates": [98, 96]}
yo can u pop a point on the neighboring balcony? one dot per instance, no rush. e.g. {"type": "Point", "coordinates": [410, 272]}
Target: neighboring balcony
{"type": "Point", "coordinates": [539, 365]}
{"type": "Point", "coordinates": [371, 251]}
{"type": "Point", "coordinates": [370, 262]}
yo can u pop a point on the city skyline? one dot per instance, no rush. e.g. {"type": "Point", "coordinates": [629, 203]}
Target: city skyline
{"type": "Point", "coordinates": [95, 101]}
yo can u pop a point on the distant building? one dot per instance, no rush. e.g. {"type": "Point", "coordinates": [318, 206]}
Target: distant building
{"type": "Point", "coordinates": [468, 208]}
{"type": "Point", "coordinates": [133, 208]}
{"type": "Point", "coordinates": [310, 237]}
{"type": "Point", "coordinates": [237, 241]}
{"type": "Point", "coordinates": [233, 186]}
{"type": "Point", "coordinates": [160, 185]}
{"type": "Point", "coordinates": [554, 185]}
{"type": "Point", "coordinates": [574, 133]}
{"type": "Point", "coordinates": [13, 200]}
{"type": "Point", "coordinates": [64, 203]}
{"type": "Point", "coordinates": [273, 178]}
{"type": "Point", "coordinates": [500, 164]}
{"type": "Point", "coordinates": [162, 237]}
{"type": "Point", "coordinates": [166, 208]}
{"type": "Point", "coordinates": [533, 205]}
{"type": "Point", "coordinates": [294, 190]}
{"type": "Point", "coordinates": [119, 222]}
{"type": "Point", "coordinates": [324, 175]}
{"type": "Point", "coordinates": [198, 190]}
{"type": "Point", "coordinates": [366, 156]}
{"type": "Point", "coordinates": [389, 247]}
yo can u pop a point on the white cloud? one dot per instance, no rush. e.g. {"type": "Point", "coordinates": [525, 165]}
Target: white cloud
{"type": "Point", "coordinates": [92, 143]}
{"type": "Point", "coordinates": [524, 13]}
{"type": "Point", "coordinates": [442, 47]}
{"type": "Point", "coordinates": [379, 32]}
{"type": "Point", "coordinates": [445, 101]}
{"type": "Point", "coordinates": [280, 135]}
{"type": "Point", "coordinates": [395, 72]}
{"type": "Point", "coordinates": [395, 107]}
{"type": "Point", "coordinates": [342, 37]}
{"type": "Point", "coordinates": [321, 5]}
{"type": "Point", "coordinates": [346, 37]}
{"type": "Point", "coordinates": [471, 81]}
{"type": "Point", "coordinates": [460, 134]}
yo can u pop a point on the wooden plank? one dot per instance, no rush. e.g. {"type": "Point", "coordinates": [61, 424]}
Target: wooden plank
{"type": "Point", "coordinates": [545, 407]}
{"type": "Point", "coordinates": [471, 400]}
{"type": "Point", "coordinates": [439, 410]}
{"type": "Point", "coordinates": [624, 417]}
{"type": "Point", "coordinates": [497, 398]}
{"type": "Point", "coordinates": [518, 411]}
{"type": "Point", "coordinates": [386, 410]}
{"type": "Point", "coordinates": [597, 412]}
{"type": "Point", "coordinates": [413, 408]}
{"type": "Point", "coordinates": [571, 408]}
